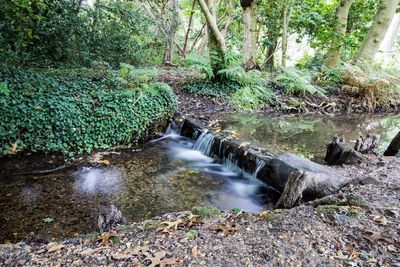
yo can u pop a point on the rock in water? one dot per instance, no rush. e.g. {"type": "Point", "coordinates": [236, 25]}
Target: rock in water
{"type": "Point", "coordinates": [110, 217]}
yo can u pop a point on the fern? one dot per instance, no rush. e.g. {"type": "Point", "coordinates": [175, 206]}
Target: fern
{"type": "Point", "coordinates": [293, 82]}
{"type": "Point", "coordinates": [200, 63]}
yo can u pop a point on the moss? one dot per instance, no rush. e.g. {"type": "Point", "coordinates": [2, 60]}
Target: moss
{"type": "Point", "coordinates": [152, 225]}
{"type": "Point", "coordinates": [207, 212]}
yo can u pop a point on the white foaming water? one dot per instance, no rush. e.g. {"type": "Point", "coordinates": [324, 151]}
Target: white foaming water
{"type": "Point", "coordinates": [189, 155]}
{"type": "Point", "coordinates": [204, 143]}
{"type": "Point", "coordinates": [259, 165]}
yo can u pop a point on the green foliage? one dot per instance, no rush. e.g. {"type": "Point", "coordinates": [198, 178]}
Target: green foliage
{"type": "Point", "coordinates": [251, 98]}
{"type": "Point", "coordinates": [254, 93]}
{"type": "Point", "coordinates": [212, 88]}
{"type": "Point", "coordinates": [293, 82]}
{"type": "Point", "coordinates": [201, 63]}
{"type": "Point", "coordinates": [74, 115]}
{"type": "Point", "coordinates": [207, 212]}
{"type": "Point", "coordinates": [42, 32]}
{"type": "Point", "coordinates": [138, 76]}
{"type": "Point", "coordinates": [191, 234]}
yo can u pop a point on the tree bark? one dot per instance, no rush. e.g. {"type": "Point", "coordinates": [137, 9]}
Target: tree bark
{"type": "Point", "coordinates": [377, 31]}
{"type": "Point", "coordinates": [169, 50]}
{"type": "Point", "coordinates": [189, 28]}
{"type": "Point", "coordinates": [270, 57]}
{"type": "Point", "coordinates": [285, 27]}
{"type": "Point", "coordinates": [216, 41]}
{"type": "Point", "coordinates": [250, 33]}
{"type": "Point", "coordinates": [394, 146]}
{"type": "Point", "coordinates": [336, 47]}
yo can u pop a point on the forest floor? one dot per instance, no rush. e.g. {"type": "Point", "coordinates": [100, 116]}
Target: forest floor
{"type": "Point", "coordinates": [358, 226]}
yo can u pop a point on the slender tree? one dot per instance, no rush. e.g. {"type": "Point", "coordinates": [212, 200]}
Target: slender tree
{"type": "Point", "coordinates": [185, 46]}
{"type": "Point", "coordinates": [169, 50]}
{"type": "Point", "coordinates": [377, 31]}
{"type": "Point", "coordinates": [285, 28]}
{"type": "Point", "coordinates": [250, 33]}
{"type": "Point", "coordinates": [216, 41]}
{"type": "Point", "coordinates": [336, 46]}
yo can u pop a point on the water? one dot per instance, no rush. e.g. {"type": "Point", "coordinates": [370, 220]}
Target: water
{"type": "Point", "coordinates": [308, 135]}
{"type": "Point", "coordinates": [166, 175]}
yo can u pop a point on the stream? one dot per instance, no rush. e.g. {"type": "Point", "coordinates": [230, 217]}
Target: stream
{"type": "Point", "coordinates": [168, 174]}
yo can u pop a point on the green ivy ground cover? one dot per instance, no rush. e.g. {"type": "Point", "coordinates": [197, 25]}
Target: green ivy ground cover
{"type": "Point", "coordinates": [75, 115]}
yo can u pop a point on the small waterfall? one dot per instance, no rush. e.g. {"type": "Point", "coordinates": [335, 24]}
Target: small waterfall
{"type": "Point", "coordinates": [259, 165]}
{"type": "Point", "coordinates": [204, 143]}
{"type": "Point", "coordinates": [230, 162]}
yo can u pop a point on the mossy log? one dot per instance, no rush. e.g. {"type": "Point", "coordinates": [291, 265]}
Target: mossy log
{"type": "Point", "coordinates": [279, 171]}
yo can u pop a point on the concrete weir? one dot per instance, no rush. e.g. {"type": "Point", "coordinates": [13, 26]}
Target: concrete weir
{"type": "Point", "coordinates": [295, 177]}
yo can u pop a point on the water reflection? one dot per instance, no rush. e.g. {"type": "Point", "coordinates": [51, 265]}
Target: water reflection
{"type": "Point", "coordinates": [308, 135]}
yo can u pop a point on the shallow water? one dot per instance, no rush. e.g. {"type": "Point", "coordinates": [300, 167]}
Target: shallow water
{"type": "Point", "coordinates": [164, 176]}
{"type": "Point", "coordinates": [308, 135]}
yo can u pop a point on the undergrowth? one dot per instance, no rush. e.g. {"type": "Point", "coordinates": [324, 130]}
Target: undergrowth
{"type": "Point", "coordinates": [295, 82]}
{"type": "Point", "coordinates": [245, 90]}
{"type": "Point", "coordinates": [74, 114]}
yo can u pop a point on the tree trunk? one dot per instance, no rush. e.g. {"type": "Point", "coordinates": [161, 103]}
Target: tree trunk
{"type": "Point", "coordinates": [336, 47]}
{"type": "Point", "coordinates": [377, 31]}
{"type": "Point", "coordinates": [270, 60]}
{"type": "Point", "coordinates": [216, 42]}
{"type": "Point", "coordinates": [394, 146]}
{"type": "Point", "coordinates": [250, 33]}
{"type": "Point", "coordinates": [285, 27]}
{"type": "Point", "coordinates": [169, 50]}
{"type": "Point", "coordinates": [189, 28]}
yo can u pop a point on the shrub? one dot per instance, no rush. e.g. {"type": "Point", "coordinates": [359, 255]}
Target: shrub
{"type": "Point", "coordinates": [212, 88]}
{"type": "Point", "coordinates": [138, 76]}
{"type": "Point", "coordinates": [293, 82]}
{"type": "Point", "coordinates": [374, 85]}
{"type": "Point", "coordinates": [74, 115]}
{"type": "Point", "coordinates": [251, 98]}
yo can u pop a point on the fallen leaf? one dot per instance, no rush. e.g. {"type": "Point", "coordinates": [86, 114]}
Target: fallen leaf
{"type": "Point", "coordinates": [107, 238]}
{"type": "Point", "coordinates": [195, 251]}
{"type": "Point", "coordinates": [55, 248]}
{"type": "Point", "coordinates": [105, 162]}
{"type": "Point", "coordinates": [376, 236]}
{"type": "Point", "coordinates": [264, 214]}
{"type": "Point", "coordinates": [226, 228]}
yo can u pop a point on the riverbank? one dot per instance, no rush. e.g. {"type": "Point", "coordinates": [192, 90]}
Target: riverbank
{"type": "Point", "coordinates": [204, 105]}
{"type": "Point", "coordinates": [358, 226]}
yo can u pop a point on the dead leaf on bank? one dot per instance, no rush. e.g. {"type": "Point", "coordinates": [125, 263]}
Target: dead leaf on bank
{"type": "Point", "coordinates": [158, 259]}
{"type": "Point", "coordinates": [188, 222]}
{"type": "Point", "coordinates": [195, 251]}
{"type": "Point", "coordinates": [226, 227]}
{"type": "Point", "coordinates": [107, 238]}
{"type": "Point", "coordinates": [169, 225]}
{"type": "Point", "coordinates": [105, 162]}
{"type": "Point", "coordinates": [264, 214]}
{"type": "Point", "coordinates": [374, 237]}
{"type": "Point", "coordinates": [55, 248]}
{"type": "Point", "coordinates": [379, 219]}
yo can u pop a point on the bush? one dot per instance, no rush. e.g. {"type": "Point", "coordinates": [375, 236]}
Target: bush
{"type": "Point", "coordinates": [138, 76]}
{"type": "Point", "coordinates": [212, 88]}
{"type": "Point", "coordinates": [372, 84]}
{"type": "Point", "coordinates": [293, 82]}
{"type": "Point", "coordinates": [74, 115]}
{"type": "Point", "coordinates": [252, 98]}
